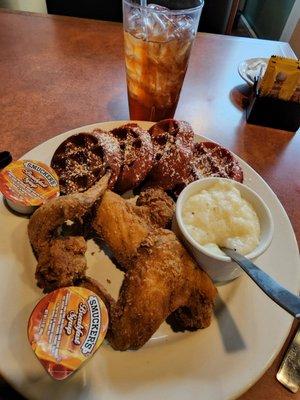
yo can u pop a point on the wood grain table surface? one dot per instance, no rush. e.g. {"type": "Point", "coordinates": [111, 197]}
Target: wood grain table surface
{"type": "Point", "coordinates": [58, 73]}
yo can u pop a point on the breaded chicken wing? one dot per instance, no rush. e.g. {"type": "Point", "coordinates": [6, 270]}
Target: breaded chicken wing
{"type": "Point", "coordinates": [124, 226]}
{"type": "Point", "coordinates": [61, 260]}
{"type": "Point", "coordinates": [120, 227]}
{"type": "Point", "coordinates": [156, 207]}
{"type": "Point", "coordinates": [50, 216]}
{"type": "Point", "coordinates": [161, 278]}
{"type": "Point", "coordinates": [62, 263]}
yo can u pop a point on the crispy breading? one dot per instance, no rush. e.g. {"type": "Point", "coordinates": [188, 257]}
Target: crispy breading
{"type": "Point", "coordinates": [62, 264]}
{"type": "Point", "coordinates": [61, 261]}
{"type": "Point", "coordinates": [50, 216]}
{"type": "Point", "coordinates": [156, 206]}
{"type": "Point", "coordinates": [124, 226]}
{"type": "Point", "coordinates": [161, 277]}
{"type": "Point", "coordinates": [124, 238]}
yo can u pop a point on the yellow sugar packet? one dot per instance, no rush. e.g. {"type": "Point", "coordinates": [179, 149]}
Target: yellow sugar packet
{"type": "Point", "coordinates": [281, 79]}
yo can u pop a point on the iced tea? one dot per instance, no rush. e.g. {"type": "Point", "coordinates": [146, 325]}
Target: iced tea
{"type": "Point", "coordinates": [157, 50]}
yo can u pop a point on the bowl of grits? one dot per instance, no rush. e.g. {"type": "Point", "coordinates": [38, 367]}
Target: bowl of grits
{"type": "Point", "coordinates": [212, 213]}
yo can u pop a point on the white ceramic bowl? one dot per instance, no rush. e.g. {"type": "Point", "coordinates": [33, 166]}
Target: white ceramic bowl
{"type": "Point", "coordinates": [221, 268]}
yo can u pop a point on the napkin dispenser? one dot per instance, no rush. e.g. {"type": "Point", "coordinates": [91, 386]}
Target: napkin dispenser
{"type": "Point", "coordinates": [273, 112]}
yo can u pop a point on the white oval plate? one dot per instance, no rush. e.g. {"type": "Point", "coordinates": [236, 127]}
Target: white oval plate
{"type": "Point", "coordinates": [250, 68]}
{"type": "Point", "coordinates": [216, 363]}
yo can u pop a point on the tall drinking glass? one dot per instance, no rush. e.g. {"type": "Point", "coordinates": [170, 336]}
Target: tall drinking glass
{"type": "Point", "coordinates": [158, 41]}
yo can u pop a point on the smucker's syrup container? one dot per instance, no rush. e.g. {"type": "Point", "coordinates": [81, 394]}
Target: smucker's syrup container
{"type": "Point", "coordinates": [66, 328]}
{"type": "Point", "coordinates": [27, 184]}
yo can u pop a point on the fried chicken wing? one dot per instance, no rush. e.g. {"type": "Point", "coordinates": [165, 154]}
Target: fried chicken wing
{"type": "Point", "coordinates": [161, 278]}
{"type": "Point", "coordinates": [62, 264]}
{"type": "Point", "coordinates": [120, 227]}
{"type": "Point", "coordinates": [124, 226]}
{"type": "Point", "coordinates": [156, 207]}
{"type": "Point", "coordinates": [61, 260]}
{"type": "Point", "coordinates": [51, 215]}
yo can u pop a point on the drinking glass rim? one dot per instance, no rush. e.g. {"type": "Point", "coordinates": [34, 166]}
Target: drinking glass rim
{"type": "Point", "coordinates": [184, 10]}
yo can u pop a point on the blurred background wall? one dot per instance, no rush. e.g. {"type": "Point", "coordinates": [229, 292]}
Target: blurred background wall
{"type": "Point", "coordinates": [295, 40]}
{"type": "Point", "coordinates": [268, 17]}
{"type": "Point", "coordinates": [25, 5]}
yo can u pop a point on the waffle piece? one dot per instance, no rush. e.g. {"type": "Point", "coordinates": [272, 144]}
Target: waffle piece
{"type": "Point", "coordinates": [210, 159]}
{"type": "Point", "coordinates": [82, 159]}
{"type": "Point", "coordinates": [137, 156]}
{"type": "Point", "coordinates": [173, 150]}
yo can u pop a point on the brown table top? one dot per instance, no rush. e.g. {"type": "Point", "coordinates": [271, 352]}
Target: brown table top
{"type": "Point", "coordinates": [59, 73]}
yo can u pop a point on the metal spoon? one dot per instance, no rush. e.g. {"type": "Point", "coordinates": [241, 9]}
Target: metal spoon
{"type": "Point", "coordinates": [284, 298]}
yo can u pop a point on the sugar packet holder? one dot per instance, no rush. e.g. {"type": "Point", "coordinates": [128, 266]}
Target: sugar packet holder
{"type": "Point", "coordinates": [272, 112]}
{"type": "Point", "coordinates": [266, 108]}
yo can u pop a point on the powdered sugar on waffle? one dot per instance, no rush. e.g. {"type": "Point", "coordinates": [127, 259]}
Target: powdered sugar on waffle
{"type": "Point", "coordinates": [137, 155]}
{"type": "Point", "coordinates": [82, 159]}
{"type": "Point", "coordinates": [210, 159]}
{"type": "Point", "coordinates": [173, 151]}
{"type": "Point", "coordinates": [166, 156]}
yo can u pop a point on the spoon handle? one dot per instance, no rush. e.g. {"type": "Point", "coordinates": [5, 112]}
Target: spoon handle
{"type": "Point", "coordinates": [273, 289]}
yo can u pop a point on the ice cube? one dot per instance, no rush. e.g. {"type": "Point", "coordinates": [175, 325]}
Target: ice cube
{"type": "Point", "coordinates": [145, 23]}
{"type": "Point", "coordinates": [158, 23]}
{"type": "Point", "coordinates": [183, 26]}
{"type": "Point", "coordinates": [157, 7]}
{"type": "Point", "coordinates": [135, 23]}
